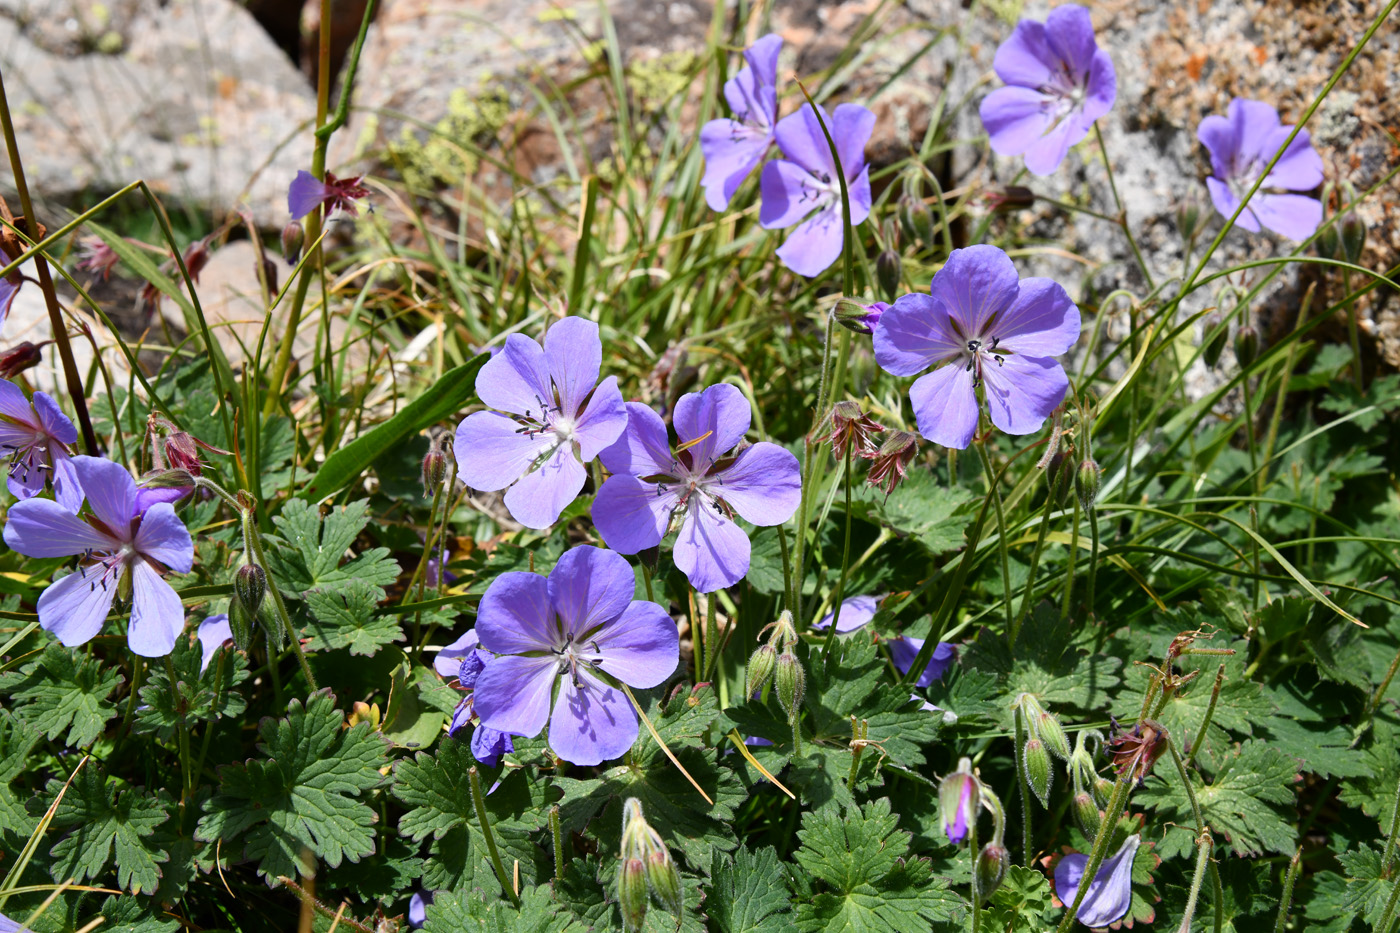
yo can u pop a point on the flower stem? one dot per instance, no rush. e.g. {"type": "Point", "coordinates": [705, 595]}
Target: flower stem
{"type": "Point", "coordinates": [1122, 219]}
{"type": "Point", "coordinates": [252, 542]}
{"type": "Point", "coordinates": [1099, 849]}
{"type": "Point", "coordinates": [183, 735]}
{"type": "Point", "coordinates": [1203, 842]}
{"type": "Point", "coordinates": [1205, 721]}
{"type": "Point", "coordinates": [973, 851]}
{"type": "Point", "coordinates": [1352, 332]}
{"type": "Point", "coordinates": [1035, 562]}
{"type": "Point", "coordinates": [557, 832]}
{"type": "Point", "coordinates": [994, 493]}
{"type": "Point", "coordinates": [1286, 900]}
{"type": "Point", "coordinates": [1073, 554]}
{"type": "Point", "coordinates": [1023, 785]}
{"type": "Point", "coordinates": [1390, 837]}
{"type": "Point", "coordinates": [479, 801]}
{"type": "Point", "coordinates": [845, 564]}
{"type": "Point", "coordinates": [1093, 558]}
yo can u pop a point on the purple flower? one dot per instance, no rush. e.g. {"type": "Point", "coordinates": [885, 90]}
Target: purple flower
{"type": "Point", "coordinates": [958, 799]}
{"type": "Point", "coordinates": [924, 705]}
{"type": "Point", "coordinates": [1110, 893]}
{"type": "Point", "coordinates": [35, 436]}
{"type": "Point", "coordinates": [127, 541]}
{"type": "Point", "coordinates": [1058, 83]}
{"type": "Point", "coordinates": [560, 414]}
{"type": "Point", "coordinates": [734, 146]}
{"type": "Point", "coordinates": [904, 651]}
{"type": "Point", "coordinates": [449, 660]}
{"type": "Point", "coordinates": [574, 634]}
{"type": "Point", "coordinates": [465, 660]}
{"type": "Point", "coordinates": [702, 479]}
{"type": "Point", "coordinates": [418, 909]}
{"type": "Point", "coordinates": [488, 746]}
{"type": "Point", "coordinates": [805, 187]}
{"type": "Point", "coordinates": [97, 257]}
{"type": "Point", "coordinates": [990, 329]}
{"type": "Point", "coordinates": [305, 194]}
{"type": "Point", "coordinates": [10, 926]}
{"type": "Point", "coordinates": [855, 613]}
{"type": "Point", "coordinates": [214, 633]}
{"type": "Point", "coordinates": [1240, 145]}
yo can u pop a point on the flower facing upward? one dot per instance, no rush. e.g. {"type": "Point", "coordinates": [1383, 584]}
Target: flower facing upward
{"type": "Point", "coordinates": [126, 540]}
{"type": "Point", "coordinates": [990, 329]}
{"type": "Point", "coordinates": [701, 480]}
{"type": "Point", "coordinates": [1110, 894]}
{"type": "Point", "coordinates": [558, 415]}
{"type": "Point", "coordinates": [35, 435]}
{"type": "Point", "coordinates": [805, 188]}
{"type": "Point", "coordinates": [1240, 145]}
{"type": "Point", "coordinates": [305, 194]}
{"type": "Point", "coordinates": [733, 146]}
{"type": "Point", "coordinates": [1058, 82]}
{"type": "Point", "coordinates": [560, 643]}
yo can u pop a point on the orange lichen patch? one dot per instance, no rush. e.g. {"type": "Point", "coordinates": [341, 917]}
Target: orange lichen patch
{"type": "Point", "coordinates": [1195, 65]}
{"type": "Point", "coordinates": [228, 86]}
{"type": "Point", "coordinates": [1259, 55]}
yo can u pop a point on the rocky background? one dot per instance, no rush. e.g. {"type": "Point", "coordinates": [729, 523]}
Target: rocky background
{"type": "Point", "coordinates": [209, 102]}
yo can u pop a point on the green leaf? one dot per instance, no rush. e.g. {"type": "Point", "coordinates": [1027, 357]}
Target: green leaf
{"type": "Point", "coordinates": [196, 696]}
{"type": "Point", "coordinates": [1374, 793]}
{"type": "Point", "coordinates": [1023, 902]}
{"type": "Point", "coordinates": [1246, 802]}
{"type": "Point", "coordinates": [345, 617]}
{"type": "Point", "coordinates": [304, 793]}
{"type": "Point", "coordinates": [63, 690]}
{"type": "Point", "coordinates": [108, 824]}
{"type": "Point", "coordinates": [1368, 889]}
{"type": "Point", "coordinates": [1045, 663]}
{"type": "Point", "coordinates": [750, 893]}
{"type": "Point", "coordinates": [439, 402]}
{"type": "Point", "coordinates": [475, 912]}
{"type": "Point", "coordinates": [134, 915]}
{"type": "Point", "coordinates": [1239, 707]}
{"type": "Point", "coordinates": [922, 507]}
{"type": "Point", "coordinates": [16, 742]}
{"type": "Point", "coordinates": [866, 883]}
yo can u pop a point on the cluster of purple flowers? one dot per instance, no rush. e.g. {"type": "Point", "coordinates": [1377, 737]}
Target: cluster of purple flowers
{"type": "Point", "coordinates": [803, 187]}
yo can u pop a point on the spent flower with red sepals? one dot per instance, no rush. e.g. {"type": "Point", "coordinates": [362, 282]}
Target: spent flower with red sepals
{"type": "Point", "coordinates": [21, 357]}
{"type": "Point", "coordinates": [853, 431]}
{"type": "Point", "coordinates": [891, 462]}
{"type": "Point", "coordinates": [306, 193]}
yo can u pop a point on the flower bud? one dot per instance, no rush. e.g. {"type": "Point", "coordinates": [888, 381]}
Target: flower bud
{"type": "Point", "coordinates": [791, 682]}
{"type": "Point", "coordinates": [270, 276]}
{"type": "Point", "coordinates": [1012, 198]}
{"type": "Point", "coordinates": [916, 219]}
{"type": "Point", "coordinates": [1352, 236]}
{"type": "Point", "coordinates": [632, 893]}
{"type": "Point", "coordinates": [167, 479]}
{"type": "Point", "coordinates": [1059, 477]}
{"type": "Point", "coordinates": [1048, 728]}
{"type": "Point", "coordinates": [1188, 217]}
{"type": "Point", "coordinates": [760, 670]}
{"type": "Point", "coordinates": [1103, 790]}
{"type": "Point", "coordinates": [1087, 814]}
{"type": "Point", "coordinates": [293, 238]}
{"type": "Point", "coordinates": [1039, 770]}
{"type": "Point", "coordinates": [1214, 334]}
{"type": "Point", "coordinates": [887, 269]}
{"type": "Point", "coordinates": [1086, 483]}
{"type": "Point", "coordinates": [20, 357]}
{"type": "Point", "coordinates": [859, 318]}
{"type": "Point", "coordinates": [1329, 241]}
{"type": "Point", "coordinates": [990, 869]}
{"type": "Point", "coordinates": [196, 258]}
{"type": "Point", "coordinates": [665, 880]}
{"type": "Point", "coordinates": [1246, 345]}
{"type": "Point", "coordinates": [434, 469]}
{"type": "Point", "coordinates": [249, 588]}
{"type": "Point", "coordinates": [958, 802]}
{"type": "Point", "coordinates": [240, 625]}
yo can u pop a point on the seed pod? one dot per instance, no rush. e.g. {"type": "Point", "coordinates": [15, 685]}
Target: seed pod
{"type": "Point", "coordinates": [760, 670]}
{"type": "Point", "coordinates": [249, 588]}
{"type": "Point", "coordinates": [958, 801]}
{"type": "Point", "coordinates": [293, 238]}
{"type": "Point", "coordinates": [887, 269]}
{"type": "Point", "coordinates": [1039, 770]}
{"type": "Point", "coordinates": [1247, 345]}
{"type": "Point", "coordinates": [1214, 336]}
{"type": "Point", "coordinates": [1087, 814]}
{"type": "Point", "coordinates": [1086, 483]}
{"type": "Point", "coordinates": [1052, 734]}
{"type": "Point", "coordinates": [791, 682]}
{"type": "Point", "coordinates": [665, 880]}
{"type": "Point", "coordinates": [632, 893]}
{"type": "Point", "coordinates": [991, 870]}
{"type": "Point", "coordinates": [1353, 237]}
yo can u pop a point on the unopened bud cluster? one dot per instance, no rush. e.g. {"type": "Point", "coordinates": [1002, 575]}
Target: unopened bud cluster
{"type": "Point", "coordinates": [961, 795]}
{"type": "Point", "coordinates": [1090, 793]}
{"type": "Point", "coordinates": [646, 868]}
{"type": "Point", "coordinates": [1045, 737]}
{"type": "Point", "coordinates": [775, 661]}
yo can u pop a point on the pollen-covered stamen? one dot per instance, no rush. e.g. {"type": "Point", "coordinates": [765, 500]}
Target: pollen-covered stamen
{"type": "Point", "coordinates": [978, 349]}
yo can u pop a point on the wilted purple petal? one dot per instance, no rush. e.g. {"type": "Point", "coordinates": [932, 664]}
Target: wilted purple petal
{"type": "Point", "coordinates": [904, 651]}
{"type": "Point", "coordinates": [8, 291]}
{"type": "Point", "coordinates": [214, 631]}
{"type": "Point", "coordinates": [592, 722]}
{"type": "Point", "coordinates": [856, 612]}
{"type": "Point", "coordinates": [488, 745]}
{"type": "Point", "coordinates": [711, 550]}
{"type": "Point", "coordinates": [304, 194]}
{"type": "Point", "coordinates": [448, 661]}
{"type": "Point", "coordinates": [1110, 894]}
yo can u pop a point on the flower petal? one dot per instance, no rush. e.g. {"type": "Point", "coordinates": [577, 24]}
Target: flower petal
{"type": "Point", "coordinates": [789, 194]}
{"type": "Point", "coordinates": [157, 615]}
{"type": "Point", "coordinates": [539, 496]}
{"type": "Point", "coordinates": [904, 651]}
{"type": "Point", "coordinates": [945, 405]}
{"type": "Point", "coordinates": [74, 608]}
{"type": "Point", "coordinates": [1295, 216]}
{"type": "Point", "coordinates": [1253, 123]}
{"type": "Point", "coordinates": [1015, 118]}
{"type": "Point", "coordinates": [516, 379]}
{"type": "Point", "coordinates": [632, 515]}
{"type": "Point", "coordinates": [641, 647]}
{"type": "Point", "coordinates": [764, 484]}
{"type": "Point", "coordinates": [1226, 203]}
{"type": "Point", "coordinates": [602, 422]}
{"type": "Point", "coordinates": [856, 612]}
{"type": "Point", "coordinates": [1025, 58]}
{"type": "Point", "coordinates": [590, 586]}
{"type": "Point", "coordinates": [1110, 894]}
{"type": "Point", "coordinates": [66, 488]}
{"type": "Point", "coordinates": [43, 528]}
{"type": "Point", "coordinates": [52, 419]}
{"type": "Point", "coordinates": [1022, 392]}
{"type": "Point", "coordinates": [448, 661]}
{"type": "Point", "coordinates": [575, 356]}
{"type": "Point", "coordinates": [815, 245]}
{"type": "Point", "coordinates": [492, 452]}
{"type": "Point", "coordinates": [513, 693]}
{"type": "Point", "coordinates": [851, 127]}
{"type": "Point", "coordinates": [1102, 89]}
{"type": "Point", "coordinates": [1218, 136]}
{"type": "Point", "coordinates": [975, 283]}
{"type": "Point", "coordinates": [803, 141]}
{"type": "Point", "coordinates": [1043, 321]}
{"type": "Point", "coordinates": [1046, 153]}
{"type": "Point", "coordinates": [13, 404]}
{"type": "Point", "coordinates": [592, 723]}
{"type": "Point", "coordinates": [711, 550]}
{"type": "Point", "coordinates": [913, 334]}
{"type": "Point", "coordinates": [488, 745]}
{"type": "Point", "coordinates": [111, 492]}
{"type": "Point", "coordinates": [515, 615]}
{"type": "Point", "coordinates": [304, 194]}
{"type": "Point", "coordinates": [643, 449]}
{"type": "Point", "coordinates": [213, 632]}
{"type": "Point", "coordinates": [732, 150]}
{"type": "Point", "coordinates": [716, 419]}
{"type": "Point", "coordinates": [164, 537]}
{"type": "Point", "coordinates": [1298, 169]}
{"type": "Point", "coordinates": [1070, 34]}
{"type": "Point", "coordinates": [760, 74]}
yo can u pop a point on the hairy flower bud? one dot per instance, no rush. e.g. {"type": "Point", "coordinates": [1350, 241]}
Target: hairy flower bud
{"type": "Point", "coordinates": [249, 588]}
{"type": "Point", "coordinates": [293, 238]}
{"type": "Point", "coordinates": [1329, 241]}
{"type": "Point", "coordinates": [916, 219]}
{"type": "Point", "coordinates": [1188, 217]}
{"type": "Point", "coordinates": [859, 318]}
{"type": "Point", "coordinates": [240, 626]}
{"type": "Point", "coordinates": [665, 880]}
{"type": "Point", "coordinates": [434, 470]}
{"type": "Point", "coordinates": [1352, 236]}
{"type": "Point", "coordinates": [1214, 333]}
{"type": "Point", "coordinates": [1246, 345]}
{"type": "Point", "coordinates": [1086, 483]}
{"type": "Point", "coordinates": [760, 670]}
{"type": "Point", "coordinates": [1048, 728]}
{"type": "Point", "coordinates": [990, 869]}
{"type": "Point", "coordinates": [632, 893]}
{"type": "Point", "coordinates": [1087, 814]}
{"type": "Point", "coordinates": [958, 801]}
{"type": "Point", "coordinates": [1059, 476]}
{"type": "Point", "coordinates": [791, 683]}
{"type": "Point", "coordinates": [887, 270]}
{"type": "Point", "coordinates": [20, 357]}
{"type": "Point", "coordinates": [1039, 770]}
{"type": "Point", "coordinates": [1103, 789]}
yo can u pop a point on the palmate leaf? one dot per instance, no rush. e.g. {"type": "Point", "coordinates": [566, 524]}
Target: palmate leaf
{"type": "Point", "coordinates": [305, 792]}
{"type": "Point", "coordinates": [864, 882]}
{"type": "Point", "coordinates": [16, 742]}
{"type": "Point", "coordinates": [105, 825]}
{"type": "Point", "coordinates": [923, 508]}
{"type": "Point", "coordinates": [196, 696]}
{"type": "Point", "coordinates": [1311, 726]}
{"type": "Point", "coordinates": [750, 893]}
{"type": "Point", "coordinates": [1045, 663]}
{"type": "Point", "coordinates": [477, 913]}
{"type": "Point", "coordinates": [1240, 706]}
{"type": "Point", "coordinates": [63, 690]}
{"type": "Point", "coordinates": [1023, 902]}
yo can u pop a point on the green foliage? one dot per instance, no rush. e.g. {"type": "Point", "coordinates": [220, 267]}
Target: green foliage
{"type": "Point", "coordinates": [749, 893]}
{"type": "Point", "coordinates": [1022, 902]}
{"type": "Point", "coordinates": [194, 696]}
{"type": "Point", "coordinates": [63, 690]}
{"type": "Point", "coordinates": [474, 913]}
{"type": "Point", "coordinates": [304, 793]}
{"type": "Point", "coordinates": [1045, 662]}
{"type": "Point", "coordinates": [106, 826]}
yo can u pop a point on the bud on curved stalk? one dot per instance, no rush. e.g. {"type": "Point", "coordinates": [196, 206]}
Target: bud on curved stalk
{"type": "Point", "coordinates": [1059, 477]}
{"type": "Point", "coordinates": [249, 588]}
{"type": "Point", "coordinates": [1214, 335]}
{"type": "Point", "coordinates": [293, 238]}
{"type": "Point", "coordinates": [196, 257]}
{"type": "Point", "coordinates": [958, 801]}
{"type": "Point", "coordinates": [1103, 790]}
{"type": "Point", "coordinates": [1247, 345]}
{"type": "Point", "coordinates": [916, 219]}
{"type": "Point", "coordinates": [632, 893]}
{"type": "Point", "coordinates": [859, 318]}
{"type": "Point", "coordinates": [1087, 814]}
{"type": "Point", "coordinates": [887, 272]}
{"type": "Point", "coordinates": [1039, 770]}
{"type": "Point", "coordinates": [990, 868]}
{"type": "Point", "coordinates": [760, 671]}
{"type": "Point", "coordinates": [1047, 727]}
{"type": "Point", "coordinates": [791, 683]}
{"type": "Point", "coordinates": [1086, 483]}
{"type": "Point", "coordinates": [665, 880]}
{"type": "Point", "coordinates": [20, 357]}
{"type": "Point", "coordinates": [1352, 237]}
